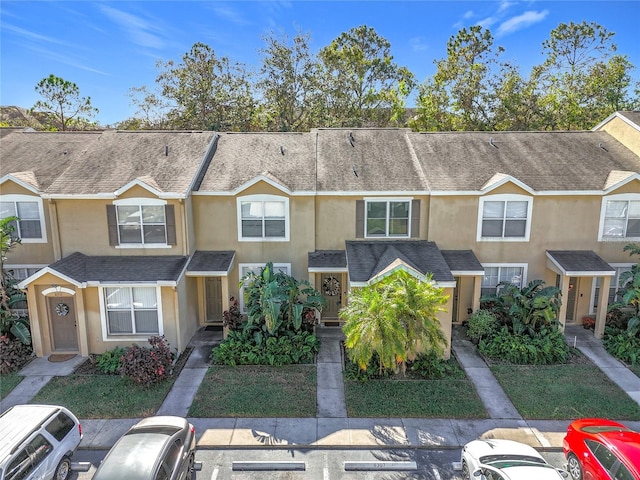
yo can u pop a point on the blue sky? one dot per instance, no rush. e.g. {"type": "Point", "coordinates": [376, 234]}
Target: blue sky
{"type": "Point", "coordinates": [108, 47]}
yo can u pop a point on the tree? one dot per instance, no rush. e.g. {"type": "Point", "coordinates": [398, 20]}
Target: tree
{"type": "Point", "coordinates": [290, 84]}
{"type": "Point", "coordinates": [207, 92]}
{"type": "Point", "coordinates": [151, 113]}
{"type": "Point", "coordinates": [362, 85]}
{"type": "Point", "coordinates": [62, 101]}
{"type": "Point", "coordinates": [394, 319]}
{"type": "Point", "coordinates": [460, 96]}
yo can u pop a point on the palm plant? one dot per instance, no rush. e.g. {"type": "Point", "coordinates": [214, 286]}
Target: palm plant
{"type": "Point", "coordinates": [630, 294]}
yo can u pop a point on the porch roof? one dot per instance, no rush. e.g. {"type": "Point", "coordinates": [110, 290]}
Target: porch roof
{"type": "Point", "coordinates": [327, 260]}
{"type": "Point", "coordinates": [463, 262]}
{"type": "Point", "coordinates": [367, 260]}
{"type": "Point", "coordinates": [578, 263]}
{"type": "Point", "coordinates": [209, 263]}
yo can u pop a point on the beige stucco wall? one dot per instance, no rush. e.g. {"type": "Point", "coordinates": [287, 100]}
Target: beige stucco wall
{"type": "Point", "coordinates": [624, 133]}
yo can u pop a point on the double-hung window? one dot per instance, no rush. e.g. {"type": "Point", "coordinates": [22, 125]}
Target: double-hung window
{"type": "Point", "coordinates": [505, 218]}
{"type": "Point", "coordinates": [263, 218]}
{"type": "Point", "coordinates": [495, 275]}
{"type": "Point", "coordinates": [28, 209]}
{"type": "Point", "coordinates": [142, 222]}
{"type": "Point", "coordinates": [620, 217]}
{"type": "Point", "coordinates": [132, 310]}
{"type": "Point", "coordinates": [387, 218]}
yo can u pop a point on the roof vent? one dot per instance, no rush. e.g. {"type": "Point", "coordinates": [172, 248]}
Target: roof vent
{"type": "Point", "coordinates": [491, 142]}
{"type": "Point", "coordinates": [166, 150]}
{"type": "Point", "coordinates": [352, 140]}
{"type": "Point", "coordinates": [601, 145]}
{"type": "Point", "coordinates": [281, 149]}
{"type": "Point", "coordinates": [353, 167]}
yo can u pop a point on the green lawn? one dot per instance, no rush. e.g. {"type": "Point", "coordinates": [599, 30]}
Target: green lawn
{"type": "Point", "coordinates": [564, 392]}
{"type": "Point", "coordinates": [8, 382]}
{"type": "Point", "coordinates": [445, 398]}
{"type": "Point", "coordinates": [103, 396]}
{"type": "Point", "coordinates": [257, 391]}
{"type": "Point", "coordinates": [635, 369]}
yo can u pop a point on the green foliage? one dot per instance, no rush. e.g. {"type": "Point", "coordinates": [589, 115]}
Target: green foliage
{"type": "Point", "coordinates": [622, 345]}
{"type": "Point", "coordinates": [481, 324]}
{"type": "Point", "coordinates": [395, 319]}
{"type": "Point", "coordinates": [431, 365]}
{"type": "Point", "coordinates": [249, 347]}
{"type": "Point", "coordinates": [111, 360]}
{"type": "Point", "coordinates": [13, 354]}
{"type": "Point", "coordinates": [630, 293]}
{"type": "Point", "coordinates": [545, 348]}
{"type": "Point", "coordinates": [61, 100]}
{"type": "Point", "coordinates": [147, 366]}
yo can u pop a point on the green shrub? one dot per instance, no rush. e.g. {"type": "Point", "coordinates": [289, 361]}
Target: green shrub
{"type": "Point", "coordinates": [480, 325]}
{"type": "Point", "coordinates": [431, 365]}
{"type": "Point", "coordinates": [622, 345]}
{"type": "Point", "coordinates": [546, 348]}
{"type": "Point", "coordinates": [246, 347]}
{"type": "Point", "coordinates": [148, 366]}
{"type": "Point", "coordinates": [14, 354]}
{"type": "Point", "coordinates": [110, 361]}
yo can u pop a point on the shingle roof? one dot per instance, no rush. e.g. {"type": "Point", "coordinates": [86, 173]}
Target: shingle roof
{"type": "Point", "coordinates": [545, 161]}
{"type": "Point", "coordinates": [204, 261]}
{"type": "Point", "coordinates": [86, 163]}
{"type": "Point", "coordinates": [286, 158]}
{"type": "Point", "coordinates": [579, 262]}
{"type": "Point", "coordinates": [370, 160]}
{"type": "Point", "coordinates": [462, 261]}
{"type": "Point", "coordinates": [84, 268]}
{"type": "Point", "coordinates": [632, 116]}
{"type": "Point", "coordinates": [367, 259]}
{"type": "Point", "coordinates": [327, 259]}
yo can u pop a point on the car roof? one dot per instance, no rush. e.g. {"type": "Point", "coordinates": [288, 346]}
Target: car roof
{"type": "Point", "coordinates": [137, 455]}
{"type": "Point", "coordinates": [532, 472]}
{"type": "Point", "coordinates": [19, 421]}
{"type": "Point", "coordinates": [627, 442]}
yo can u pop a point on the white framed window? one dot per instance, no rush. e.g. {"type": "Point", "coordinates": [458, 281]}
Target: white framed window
{"type": "Point", "coordinates": [263, 218]}
{"type": "Point", "coordinates": [620, 217]}
{"type": "Point", "coordinates": [245, 268]}
{"type": "Point", "coordinates": [29, 210]}
{"type": "Point", "coordinates": [500, 273]}
{"type": "Point", "coordinates": [387, 218]}
{"type": "Point", "coordinates": [141, 222]}
{"type": "Point", "coordinates": [615, 286]}
{"type": "Point", "coordinates": [131, 311]}
{"type": "Point", "coordinates": [505, 218]}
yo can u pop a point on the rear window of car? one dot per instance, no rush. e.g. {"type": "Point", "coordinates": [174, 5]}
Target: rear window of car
{"type": "Point", "coordinates": [60, 426]}
{"type": "Point", "coordinates": [604, 428]}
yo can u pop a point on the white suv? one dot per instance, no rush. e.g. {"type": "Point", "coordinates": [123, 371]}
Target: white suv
{"type": "Point", "coordinates": [37, 442]}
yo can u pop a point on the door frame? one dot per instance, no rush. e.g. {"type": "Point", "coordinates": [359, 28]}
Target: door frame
{"type": "Point", "coordinates": [69, 300]}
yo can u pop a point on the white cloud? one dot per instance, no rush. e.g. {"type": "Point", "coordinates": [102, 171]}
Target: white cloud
{"type": "Point", "coordinates": [521, 21]}
{"type": "Point", "coordinates": [419, 44]}
{"type": "Point", "coordinates": [139, 29]}
{"type": "Point", "coordinates": [228, 14]}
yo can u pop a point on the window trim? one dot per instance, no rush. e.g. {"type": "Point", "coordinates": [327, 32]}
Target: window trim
{"type": "Point", "coordinates": [603, 210]}
{"type": "Point", "coordinates": [524, 266]}
{"type": "Point", "coordinates": [388, 200]}
{"type": "Point", "coordinates": [263, 198]}
{"type": "Point", "coordinates": [505, 197]}
{"type": "Point", "coordinates": [141, 202]}
{"type": "Point", "coordinates": [276, 267]}
{"type": "Point", "coordinates": [104, 318]}
{"type": "Point", "coordinates": [15, 198]}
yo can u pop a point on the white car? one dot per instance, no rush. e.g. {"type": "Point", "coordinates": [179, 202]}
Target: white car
{"type": "Point", "coordinates": [495, 459]}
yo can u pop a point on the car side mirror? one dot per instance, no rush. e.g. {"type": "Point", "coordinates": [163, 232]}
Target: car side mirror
{"type": "Point", "coordinates": [478, 474]}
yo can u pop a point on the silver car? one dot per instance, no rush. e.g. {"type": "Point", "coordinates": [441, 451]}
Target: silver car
{"type": "Point", "coordinates": [37, 442]}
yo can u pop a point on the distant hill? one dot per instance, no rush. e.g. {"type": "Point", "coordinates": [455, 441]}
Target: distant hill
{"type": "Point", "coordinates": [21, 117]}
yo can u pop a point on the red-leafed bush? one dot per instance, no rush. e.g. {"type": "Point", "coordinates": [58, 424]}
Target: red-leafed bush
{"type": "Point", "coordinates": [148, 366]}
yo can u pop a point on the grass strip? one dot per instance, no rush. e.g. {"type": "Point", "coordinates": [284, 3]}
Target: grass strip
{"type": "Point", "coordinates": [564, 392]}
{"type": "Point", "coordinates": [8, 381]}
{"type": "Point", "coordinates": [256, 391]}
{"type": "Point", "coordinates": [104, 396]}
{"type": "Point", "coordinates": [443, 398]}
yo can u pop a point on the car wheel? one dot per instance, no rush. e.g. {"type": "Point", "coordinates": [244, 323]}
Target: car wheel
{"type": "Point", "coordinates": [64, 469]}
{"type": "Point", "coordinates": [465, 471]}
{"type": "Point", "coordinates": [574, 467]}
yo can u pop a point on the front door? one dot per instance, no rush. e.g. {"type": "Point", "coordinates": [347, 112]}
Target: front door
{"type": "Point", "coordinates": [571, 299]}
{"type": "Point", "coordinates": [331, 288]}
{"type": "Point", "coordinates": [214, 299]}
{"type": "Point", "coordinates": [62, 313]}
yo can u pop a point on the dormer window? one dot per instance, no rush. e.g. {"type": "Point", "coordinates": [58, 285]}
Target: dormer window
{"type": "Point", "coordinates": [504, 218]}
{"type": "Point", "coordinates": [263, 218]}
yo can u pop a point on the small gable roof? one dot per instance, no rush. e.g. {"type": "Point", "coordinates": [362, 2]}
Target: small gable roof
{"type": "Point", "coordinates": [211, 263]}
{"type": "Point", "coordinates": [582, 263]}
{"type": "Point", "coordinates": [325, 260]}
{"type": "Point", "coordinates": [463, 262]}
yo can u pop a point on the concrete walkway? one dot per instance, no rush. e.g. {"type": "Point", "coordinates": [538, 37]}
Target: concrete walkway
{"type": "Point", "coordinates": [330, 382]}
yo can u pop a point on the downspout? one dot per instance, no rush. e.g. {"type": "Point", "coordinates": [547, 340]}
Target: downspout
{"type": "Point", "coordinates": [55, 230]}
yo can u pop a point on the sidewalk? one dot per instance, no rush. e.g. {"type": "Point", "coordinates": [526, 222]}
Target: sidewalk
{"type": "Point", "coordinates": [332, 427]}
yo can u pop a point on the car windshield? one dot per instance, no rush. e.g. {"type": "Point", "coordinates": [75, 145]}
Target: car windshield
{"type": "Point", "coordinates": [510, 460]}
{"type": "Point", "coordinates": [605, 428]}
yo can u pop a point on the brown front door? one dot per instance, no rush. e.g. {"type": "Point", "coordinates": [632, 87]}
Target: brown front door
{"type": "Point", "coordinates": [331, 288]}
{"type": "Point", "coordinates": [214, 299]}
{"type": "Point", "coordinates": [62, 313]}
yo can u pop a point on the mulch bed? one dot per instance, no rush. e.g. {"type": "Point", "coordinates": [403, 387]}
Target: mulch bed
{"type": "Point", "coordinates": [88, 367]}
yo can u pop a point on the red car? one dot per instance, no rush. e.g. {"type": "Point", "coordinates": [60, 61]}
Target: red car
{"type": "Point", "coordinates": [599, 449]}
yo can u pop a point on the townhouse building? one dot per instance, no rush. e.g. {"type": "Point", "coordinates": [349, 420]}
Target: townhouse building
{"type": "Point", "coordinates": [131, 234]}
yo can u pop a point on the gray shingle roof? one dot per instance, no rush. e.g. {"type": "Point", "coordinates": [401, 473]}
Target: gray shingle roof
{"type": "Point", "coordinates": [632, 116]}
{"type": "Point", "coordinates": [84, 268]}
{"type": "Point", "coordinates": [366, 259]}
{"type": "Point", "coordinates": [579, 261]}
{"type": "Point", "coordinates": [86, 163]}
{"type": "Point", "coordinates": [327, 259]}
{"type": "Point", "coordinates": [204, 261]}
{"type": "Point", "coordinates": [545, 161]}
{"type": "Point", "coordinates": [286, 158]}
{"type": "Point", "coordinates": [462, 261]}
